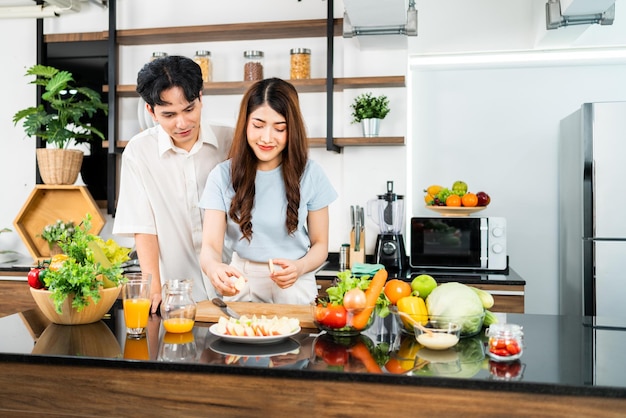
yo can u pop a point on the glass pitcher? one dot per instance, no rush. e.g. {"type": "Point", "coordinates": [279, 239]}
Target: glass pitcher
{"type": "Point", "coordinates": [178, 309]}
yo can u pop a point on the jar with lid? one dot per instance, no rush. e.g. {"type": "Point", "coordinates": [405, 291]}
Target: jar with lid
{"type": "Point", "coordinates": [203, 59]}
{"type": "Point", "coordinates": [157, 55]}
{"type": "Point", "coordinates": [253, 65]}
{"type": "Point", "coordinates": [505, 342]}
{"type": "Point", "coordinates": [300, 64]}
{"type": "Point", "coordinates": [178, 309]}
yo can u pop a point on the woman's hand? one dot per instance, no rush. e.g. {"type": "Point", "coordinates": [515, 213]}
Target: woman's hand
{"type": "Point", "coordinates": [286, 275]}
{"type": "Point", "coordinates": [223, 279]}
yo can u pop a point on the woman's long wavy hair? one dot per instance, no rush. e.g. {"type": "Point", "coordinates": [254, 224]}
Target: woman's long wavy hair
{"type": "Point", "coordinates": [282, 97]}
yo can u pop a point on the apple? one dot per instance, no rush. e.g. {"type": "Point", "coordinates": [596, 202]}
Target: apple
{"type": "Point", "coordinates": [483, 199]}
{"type": "Point", "coordinates": [459, 186]}
{"type": "Point", "coordinates": [423, 284]}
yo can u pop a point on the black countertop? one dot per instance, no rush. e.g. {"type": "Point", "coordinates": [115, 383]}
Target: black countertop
{"type": "Point", "coordinates": [562, 355]}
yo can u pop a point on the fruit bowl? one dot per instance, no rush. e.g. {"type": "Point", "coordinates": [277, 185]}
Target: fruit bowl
{"type": "Point", "coordinates": [69, 315]}
{"type": "Point", "coordinates": [455, 210]}
{"type": "Point", "coordinates": [323, 319]}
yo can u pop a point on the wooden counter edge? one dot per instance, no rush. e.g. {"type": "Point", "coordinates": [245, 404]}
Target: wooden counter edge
{"type": "Point", "coordinates": [138, 392]}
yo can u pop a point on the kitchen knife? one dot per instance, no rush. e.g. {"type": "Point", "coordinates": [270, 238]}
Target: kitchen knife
{"type": "Point", "coordinates": [222, 305]}
{"type": "Point", "coordinates": [357, 230]}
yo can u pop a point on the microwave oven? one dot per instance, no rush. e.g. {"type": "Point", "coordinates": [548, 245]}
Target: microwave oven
{"type": "Point", "coordinates": [458, 243]}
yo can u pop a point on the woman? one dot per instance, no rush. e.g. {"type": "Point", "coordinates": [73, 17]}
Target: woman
{"type": "Point", "coordinates": [268, 203]}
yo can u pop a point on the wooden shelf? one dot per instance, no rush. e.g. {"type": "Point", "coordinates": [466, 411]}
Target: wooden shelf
{"type": "Point", "coordinates": [207, 33]}
{"type": "Point", "coordinates": [48, 203]}
{"type": "Point", "coordinates": [321, 142]}
{"type": "Point", "coordinates": [314, 85]}
{"type": "Point", "coordinates": [228, 32]}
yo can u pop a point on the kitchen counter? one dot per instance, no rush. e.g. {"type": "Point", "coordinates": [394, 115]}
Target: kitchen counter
{"type": "Point", "coordinates": [568, 368]}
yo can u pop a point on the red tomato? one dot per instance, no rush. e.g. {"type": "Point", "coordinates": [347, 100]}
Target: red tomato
{"type": "Point", "coordinates": [354, 300]}
{"type": "Point", "coordinates": [396, 289]}
{"type": "Point", "coordinates": [512, 347]}
{"type": "Point", "coordinates": [331, 315]}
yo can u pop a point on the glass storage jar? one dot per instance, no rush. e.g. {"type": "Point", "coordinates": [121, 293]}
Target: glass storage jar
{"type": "Point", "coordinates": [300, 64]}
{"type": "Point", "coordinates": [253, 65]}
{"type": "Point", "coordinates": [178, 309]}
{"type": "Point", "coordinates": [157, 55]}
{"type": "Point", "coordinates": [505, 342]}
{"type": "Point", "coordinates": [203, 59]}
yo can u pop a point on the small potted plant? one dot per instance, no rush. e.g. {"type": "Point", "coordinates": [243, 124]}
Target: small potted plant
{"type": "Point", "coordinates": [57, 232]}
{"type": "Point", "coordinates": [61, 121]}
{"type": "Point", "coordinates": [369, 110]}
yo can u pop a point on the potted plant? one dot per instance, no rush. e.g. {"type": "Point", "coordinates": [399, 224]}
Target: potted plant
{"type": "Point", "coordinates": [57, 232]}
{"type": "Point", "coordinates": [369, 110]}
{"type": "Point", "coordinates": [60, 122]}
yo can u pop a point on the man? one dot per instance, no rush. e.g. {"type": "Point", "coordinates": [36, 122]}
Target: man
{"type": "Point", "coordinates": [164, 170]}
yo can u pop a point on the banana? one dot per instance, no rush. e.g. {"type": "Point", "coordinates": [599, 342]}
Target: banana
{"type": "Point", "coordinates": [433, 189]}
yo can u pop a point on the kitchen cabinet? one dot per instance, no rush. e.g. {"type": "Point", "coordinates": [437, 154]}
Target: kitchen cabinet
{"type": "Point", "coordinates": [328, 28]}
{"type": "Point", "coordinates": [14, 293]}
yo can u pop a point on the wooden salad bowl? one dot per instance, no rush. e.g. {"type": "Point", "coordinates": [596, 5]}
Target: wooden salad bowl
{"type": "Point", "coordinates": [70, 316]}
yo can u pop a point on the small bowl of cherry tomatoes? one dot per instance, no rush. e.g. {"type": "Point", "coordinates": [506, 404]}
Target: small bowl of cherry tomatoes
{"type": "Point", "coordinates": [338, 321]}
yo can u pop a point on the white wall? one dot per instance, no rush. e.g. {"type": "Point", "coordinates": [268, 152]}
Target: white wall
{"type": "Point", "coordinates": [359, 173]}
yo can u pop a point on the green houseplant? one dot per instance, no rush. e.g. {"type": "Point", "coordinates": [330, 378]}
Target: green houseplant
{"type": "Point", "coordinates": [369, 110]}
{"type": "Point", "coordinates": [63, 119]}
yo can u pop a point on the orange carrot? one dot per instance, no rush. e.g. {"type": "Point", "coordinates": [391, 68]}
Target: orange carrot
{"type": "Point", "coordinates": [360, 320]}
{"type": "Point", "coordinates": [362, 353]}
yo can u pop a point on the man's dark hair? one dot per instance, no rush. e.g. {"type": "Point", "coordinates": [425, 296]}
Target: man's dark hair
{"type": "Point", "coordinates": [167, 72]}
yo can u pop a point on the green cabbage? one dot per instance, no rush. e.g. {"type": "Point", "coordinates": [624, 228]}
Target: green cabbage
{"type": "Point", "coordinates": [457, 302]}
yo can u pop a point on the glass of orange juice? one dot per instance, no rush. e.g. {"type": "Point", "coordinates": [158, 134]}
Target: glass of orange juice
{"type": "Point", "coordinates": [137, 303]}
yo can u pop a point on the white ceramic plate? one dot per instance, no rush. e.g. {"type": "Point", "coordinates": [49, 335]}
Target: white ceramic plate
{"type": "Point", "coordinates": [455, 210]}
{"type": "Point", "coordinates": [251, 340]}
{"type": "Point", "coordinates": [226, 348]}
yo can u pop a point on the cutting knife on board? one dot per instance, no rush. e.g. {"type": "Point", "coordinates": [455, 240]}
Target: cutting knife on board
{"type": "Point", "coordinates": [225, 308]}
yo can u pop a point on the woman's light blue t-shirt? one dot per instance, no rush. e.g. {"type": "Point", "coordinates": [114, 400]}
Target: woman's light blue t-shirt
{"type": "Point", "coordinates": [269, 233]}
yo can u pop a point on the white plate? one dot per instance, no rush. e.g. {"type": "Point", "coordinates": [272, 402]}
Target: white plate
{"type": "Point", "coordinates": [251, 340]}
{"type": "Point", "coordinates": [455, 210]}
{"type": "Point", "coordinates": [259, 350]}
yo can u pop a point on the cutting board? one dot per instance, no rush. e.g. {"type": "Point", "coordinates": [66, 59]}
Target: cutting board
{"type": "Point", "coordinates": [206, 311]}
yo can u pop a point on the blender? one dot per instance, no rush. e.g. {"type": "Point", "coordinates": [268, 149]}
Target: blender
{"type": "Point", "coordinates": [387, 211]}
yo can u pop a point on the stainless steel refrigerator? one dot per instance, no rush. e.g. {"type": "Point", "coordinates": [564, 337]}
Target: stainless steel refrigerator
{"type": "Point", "coordinates": [592, 211]}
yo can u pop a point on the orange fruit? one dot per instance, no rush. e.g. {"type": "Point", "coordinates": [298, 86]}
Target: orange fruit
{"type": "Point", "coordinates": [469, 200]}
{"type": "Point", "coordinates": [453, 200]}
{"type": "Point", "coordinates": [396, 289]}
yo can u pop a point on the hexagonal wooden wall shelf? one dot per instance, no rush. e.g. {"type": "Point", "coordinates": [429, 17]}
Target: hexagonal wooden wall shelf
{"type": "Point", "coordinates": [45, 205]}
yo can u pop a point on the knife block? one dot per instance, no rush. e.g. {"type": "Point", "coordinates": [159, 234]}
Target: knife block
{"type": "Point", "coordinates": [357, 256]}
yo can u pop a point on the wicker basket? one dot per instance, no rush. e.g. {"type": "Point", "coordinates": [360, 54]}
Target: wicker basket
{"type": "Point", "coordinates": [59, 166]}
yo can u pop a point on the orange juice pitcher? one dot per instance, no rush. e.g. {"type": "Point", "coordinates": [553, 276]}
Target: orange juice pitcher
{"type": "Point", "coordinates": [178, 309]}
